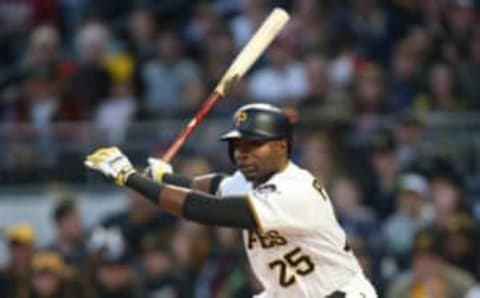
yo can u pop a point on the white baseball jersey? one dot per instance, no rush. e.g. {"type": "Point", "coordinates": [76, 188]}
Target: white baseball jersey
{"type": "Point", "coordinates": [299, 250]}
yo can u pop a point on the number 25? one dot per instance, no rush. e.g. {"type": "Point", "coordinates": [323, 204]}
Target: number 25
{"type": "Point", "coordinates": [302, 264]}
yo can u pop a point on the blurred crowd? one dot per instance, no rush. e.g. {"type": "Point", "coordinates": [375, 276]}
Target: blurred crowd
{"type": "Point", "coordinates": [88, 60]}
{"type": "Point", "coordinates": [134, 254]}
{"type": "Point", "coordinates": [410, 210]}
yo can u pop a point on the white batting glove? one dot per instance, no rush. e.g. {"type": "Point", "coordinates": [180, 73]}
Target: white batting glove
{"type": "Point", "coordinates": [158, 168]}
{"type": "Point", "coordinates": [112, 163]}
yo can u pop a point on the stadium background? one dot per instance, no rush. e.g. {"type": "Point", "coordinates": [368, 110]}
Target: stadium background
{"type": "Point", "coordinates": [385, 95]}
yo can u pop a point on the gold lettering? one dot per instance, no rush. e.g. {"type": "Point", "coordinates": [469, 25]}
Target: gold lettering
{"type": "Point", "coordinates": [267, 240]}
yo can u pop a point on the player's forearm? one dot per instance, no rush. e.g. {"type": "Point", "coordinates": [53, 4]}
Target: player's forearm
{"type": "Point", "coordinates": [200, 207]}
{"type": "Point", "coordinates": [205, 183]}
{"type": "Point", "coordinates": [177, 180]}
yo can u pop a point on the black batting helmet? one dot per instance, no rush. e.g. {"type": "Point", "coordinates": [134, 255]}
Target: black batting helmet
{"type": "Point", "coordinates": [259, 121]}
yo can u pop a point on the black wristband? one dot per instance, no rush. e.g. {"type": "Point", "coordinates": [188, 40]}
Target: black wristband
{"type": "Point", "coordinates": [177, 180]}
{"type": "Point", "coordinates": [148, 188]}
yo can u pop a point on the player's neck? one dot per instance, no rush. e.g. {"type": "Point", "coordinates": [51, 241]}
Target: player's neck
{"type": "Point", "coordinates": [282, 167]}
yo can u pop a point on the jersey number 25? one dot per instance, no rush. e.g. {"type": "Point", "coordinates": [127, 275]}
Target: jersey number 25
{"type": "Point", "coordinates": [295, 261]}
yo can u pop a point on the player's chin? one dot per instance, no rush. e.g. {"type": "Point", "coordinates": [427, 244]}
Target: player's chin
{"type": "Point", "coordinates": [250, 175]}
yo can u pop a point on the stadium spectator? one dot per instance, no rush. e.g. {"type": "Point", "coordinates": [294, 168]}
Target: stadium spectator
{"type": "Point", "coordinates": [165, 76]}
{"type": "Point", "coordinates": [70, 242]}
{"type": "Point", "coordinates": [462, 244]}
{"type": "Point", "coordinates": [159, 273]}
{"type": "Point", "coordinates": [469, 69]}
{"type": "Point", "coordinates": [283, 81]}
{"type": "Point", "coordinates": [308, 26]}
{"type": "Point", "coordinates": [411, 140]}
{"type": "Point", "coordinates": [141, 33]}
{"type": "Point", "coordinates": [413, 212]}
{"type": "Point", "coordinates": [432, 17]}
{"type": "Point", "coordinates": [89, 82]}
{"type": "Point", "coordinates": [369, 263]}
{"type": "Point", "coordinates": [370, 98]}
{"type": "Point", "coordinates": [15, 277]}
{"type": "Point", "coordinates": [252, 14]}
{"type": "Point", "coordinates": [403, 76]}
{"type": "Point", "coordinates": [202, 26]}
{"type": "Point", "coordinates": [460, 19]}
{"type": "Point", "coordinates": [385, 170]}
{"type": "Point", "coordinates": [370, 90]}
{"type": "Point", "coordinates": [140, 219]}
{"type": "Point", "coordinates": [120, 105]}
{"type": "Point", "coordinates": [448, 197]}
{"type": "Point", "coordinates": [12, 105]}
{"type": "Point", "coordinates": [44, 48]}
{"type": "Point", "coordinates": [342, 66]}
{"type": "Point", "coordinates": [443, 92]}
{"type": "Point", "coordinates": [369, 25]}
{"type": "Point", "coordinates": [113, 274]}
{"type": "Point", "coordinates": [224, 273]}
{"type": "Point", "coordinates": [190, 244]}
{"type": "Point", "coordinates": [430, 275]}
{"type": "Point", "coordinates": [43, 98]}
{"type": "Point", "coordinates": [358, 220]}
{"type": "Point", "coordinates": [318, 85]}
{"type": "Point", "coordinates": [217, 53]}
{"type": "Point", "coordinates": [318, 154]}
{"type": "Point", "coordinates": [51, 277]}
{"type": "Point", "coordinates": [322, 98]}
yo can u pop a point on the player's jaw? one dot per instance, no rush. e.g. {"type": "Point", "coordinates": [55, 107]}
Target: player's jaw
{"type": "Point", "coordinates": [257, 160]}
{"type": "Point", "coordinates": [249, 170]}
{"type": "Point", "coordinates": [254, 173]}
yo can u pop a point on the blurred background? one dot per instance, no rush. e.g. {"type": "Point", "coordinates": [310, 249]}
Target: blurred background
{"type": "Point", "coordinates": [386, 100]}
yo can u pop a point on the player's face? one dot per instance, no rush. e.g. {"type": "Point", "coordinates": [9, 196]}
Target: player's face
{"type": "Point", "coordinates": [258, 160]}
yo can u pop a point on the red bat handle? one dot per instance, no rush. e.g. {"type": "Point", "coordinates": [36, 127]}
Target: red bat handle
{"type": "Point", "coordinates": [207, 107]}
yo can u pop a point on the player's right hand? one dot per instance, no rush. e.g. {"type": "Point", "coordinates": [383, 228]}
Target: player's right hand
{"type": "Point", "coordinates": [112, 163]}
{"type": "Point", "coordinates": [158, 168]}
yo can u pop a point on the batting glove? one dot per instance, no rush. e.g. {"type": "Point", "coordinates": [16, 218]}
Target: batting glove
{"type": "Point", "coordinates": [158, 168]}
{"type": "Point", "coordinates": [112, 163]}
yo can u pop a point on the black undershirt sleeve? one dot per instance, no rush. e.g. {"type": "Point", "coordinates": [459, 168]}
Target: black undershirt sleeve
{"type": "Point", "coordinates": [215, 183]}
{"type": "Point", "coordinates": [201, 207]}
{"type": "Point", "coordinates": [227, 212]}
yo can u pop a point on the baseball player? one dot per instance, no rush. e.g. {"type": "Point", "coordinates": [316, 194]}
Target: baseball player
{"type": "Point", "coordinates": [294, 243]}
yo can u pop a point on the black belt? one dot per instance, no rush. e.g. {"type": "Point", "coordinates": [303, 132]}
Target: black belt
{"type": "Point", "coordinates": [337, 294]}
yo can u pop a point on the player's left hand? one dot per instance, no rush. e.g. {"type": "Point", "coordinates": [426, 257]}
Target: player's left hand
{"type": "Point", "coordinates": [112, 163]}
{"type": "Point", "coordinates": [157, 168]}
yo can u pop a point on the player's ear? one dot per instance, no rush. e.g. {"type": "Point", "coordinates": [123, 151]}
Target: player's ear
{"type": "Point", "coordinates": [285, 145]}
{"type": "Point", "coordinates": [282, 145]}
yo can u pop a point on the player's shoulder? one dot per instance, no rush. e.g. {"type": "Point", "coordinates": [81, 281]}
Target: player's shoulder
{"type": "Point", "coordinates": [292, 174]}
{"type": "Point", "coordinates": [294, 179]}
{"type": "Point", "coordinates": [236, 177]}
{"type": "Point", "coordinates": [234, 184]}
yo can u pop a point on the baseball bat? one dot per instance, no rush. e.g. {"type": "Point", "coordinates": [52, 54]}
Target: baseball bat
{"type": "Point", "coordinates": [242, 63]}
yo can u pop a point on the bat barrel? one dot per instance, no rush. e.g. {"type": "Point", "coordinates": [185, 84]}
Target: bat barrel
{"type": "Point", "coordinates": [245, 59]}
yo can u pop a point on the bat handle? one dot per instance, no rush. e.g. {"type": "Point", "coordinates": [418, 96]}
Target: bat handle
{"type": "Point", "coordinates": [211, 102]}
